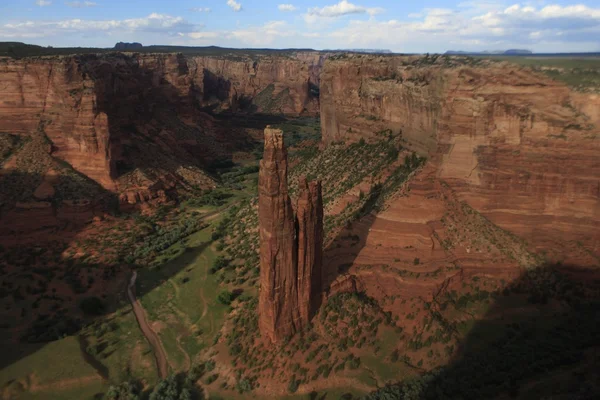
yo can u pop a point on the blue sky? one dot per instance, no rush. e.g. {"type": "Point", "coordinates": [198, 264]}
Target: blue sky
{"type": "Point", "coordinates": [402, 26]}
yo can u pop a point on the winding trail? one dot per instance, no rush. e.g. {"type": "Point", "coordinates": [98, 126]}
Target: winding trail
{"type": "Point", "coordinates": [204, 300]}
{"type": "Point", "coordinates": [151, 336]}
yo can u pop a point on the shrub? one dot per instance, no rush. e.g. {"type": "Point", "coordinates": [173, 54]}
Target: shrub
{"type": "Point", "coordinates": [293, 385]}
{"type": "Point", "coordinates": [225, 297]}
{"type": "Point", "coordinates": [92, 306]}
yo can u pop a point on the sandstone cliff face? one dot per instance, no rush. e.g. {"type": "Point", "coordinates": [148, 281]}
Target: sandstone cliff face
{"type": "Point", "coordinates": [52, 95]}
{"type": "Point", "coordinates": [309, 212]}
{"type": "Point", "coordinates": [269, 84]}
{"type": "Point", "coordinates": [290, 249]}
{"type": "Point", "coordinates": [520, 148]}
{"type": "Point", "coordinates": [278, 301]}
{"type": "Point", "coordinates": [134, 123]}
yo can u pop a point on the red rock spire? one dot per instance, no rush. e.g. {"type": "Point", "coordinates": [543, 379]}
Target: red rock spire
{"type": "Point", "coordinates": [310, 247]}
{"type": "Point", "coordinates": [290, 249]}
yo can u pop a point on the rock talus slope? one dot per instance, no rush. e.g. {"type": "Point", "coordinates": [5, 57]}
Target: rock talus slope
{"type": "Point", "coordinates": [291, 247]}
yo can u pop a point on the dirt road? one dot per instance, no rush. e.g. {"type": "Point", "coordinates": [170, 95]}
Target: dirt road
{"type": "Point", "coordinates": [151, 336]}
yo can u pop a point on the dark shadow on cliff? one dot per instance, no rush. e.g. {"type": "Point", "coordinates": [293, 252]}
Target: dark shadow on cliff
{"type": "Point", "coordinates": [47, 295]}
{"type": "Point", "coordinates": [342, 251]}
{"type": "Point", "coordinates": [539, 339]}
{"type": "Point", "coordinates": [156, 127]}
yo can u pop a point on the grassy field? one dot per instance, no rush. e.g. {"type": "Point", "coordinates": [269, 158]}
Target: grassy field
{"type": "Point", "coordinates": [179, 296]}
{"type": "Point", "coordinates": [183, 298]}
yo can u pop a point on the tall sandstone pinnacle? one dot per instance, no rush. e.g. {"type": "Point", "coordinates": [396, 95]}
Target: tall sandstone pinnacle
{"type": "Point", "coordinates": [291, 247]}
{"type": "Point", "coordinates": [309, 212]}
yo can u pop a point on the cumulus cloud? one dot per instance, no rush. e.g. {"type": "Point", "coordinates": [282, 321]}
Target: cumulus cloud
{"type": "Point", "coordinates": [287, 7]}
{"type": "Point", "coordinates": [235, 6]}
{"type": "Point", "coordinates": [43, 3]}
{"type": "Point", "coordinates": [201, 9]}
{"type": "Point", "coordinates": [203, 35]}
{"type": "Point", "coordinates": [482, 27]}
{"type": "Point", "coordinates": [261, 36]}
{"type": "Point", "coordinates": [472, 25]}
{"type": "Point", "coordinates": [80, 4]}
{"type": "Point", "coordinates": [157, 23]}
{"type": "Point", "coordinates": [342, 8]}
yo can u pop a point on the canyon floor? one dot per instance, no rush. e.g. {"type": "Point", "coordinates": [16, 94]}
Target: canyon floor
{"type": "Point", "coordinates": [427, 297]}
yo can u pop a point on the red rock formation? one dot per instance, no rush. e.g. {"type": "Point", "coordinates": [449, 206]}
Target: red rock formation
{"type": "Point", "coordinates": [269, 84]}
{"type": "Point", "coordinates": [309, 212]}
{"type": "Point", "coordinates": [290, 250]}
{"type": "Point", "coordinates": [517, 146]}
{"type": "Point", "coordinates": [98, 110]}
{"type": "Point", "coordinates": [278, 301]}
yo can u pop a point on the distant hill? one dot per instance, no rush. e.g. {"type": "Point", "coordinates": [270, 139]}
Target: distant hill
{"type": "Point", "coordinates": [518, 51]}
{"type": "Point", "coordinates": [128, 46]}
{"type": "Point", "coordinates": [20, 50]}
{"type": "Point", "coordinates": [485, 52]}
{"type": "Point", "coordinates": [370, 51]}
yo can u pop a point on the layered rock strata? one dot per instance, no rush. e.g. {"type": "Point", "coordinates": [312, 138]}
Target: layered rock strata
{"type": "Point", "coordinates": [135, 124]}
{"type": "Point", "coordinates": [96, 110]}
{"type": "Point", "coordinates": [291, 247]}
{"type": "Point", "coordinates": [518, 147]}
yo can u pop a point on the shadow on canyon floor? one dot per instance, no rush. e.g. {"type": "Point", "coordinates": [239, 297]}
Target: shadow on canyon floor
{"type": "Point", "coordinates": [56, 316]}
{"type": "Point", "coordinates": [42, 291]}
{"type": "Point", "coordinates": [540, 338]}
{"type": "Point", "coordinates": [343, 250]}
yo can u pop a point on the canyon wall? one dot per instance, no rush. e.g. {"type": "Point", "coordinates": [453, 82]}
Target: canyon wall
{"type": "Point", "coordinates": [92, 107]}
{"type": "Point", "coordinates": [291, 247]}
{"type": "Point", "coordinates": [137, 124]}
{"type": "Point", "coordinates": [518, 147]}
{"type": "Point", "coordinates": [278, 85]}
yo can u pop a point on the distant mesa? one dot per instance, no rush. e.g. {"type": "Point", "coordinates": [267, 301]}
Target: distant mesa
{"type": "Point", "coordinates": [495, 52]}
{"type": "Point", "coordinates": [128, 46]}
{"type": "Point", "coordinates": [370, 51]}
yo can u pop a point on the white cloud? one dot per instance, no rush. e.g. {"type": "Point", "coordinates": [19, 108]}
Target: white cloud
{"type": "Point", "coordinates": [201, 9]}
{"type": "Point", "coordinates": [342, 8]}
{"type": "Point", "coordinates": [261, 36]}
{"type": "Point", "coordinates": [548, 29]}
{"type": "Point", "coordinates": [81, 4]}
{"type": "Point", "coordinates": [472, 25]}
{"type": "Point", "coordinates": [43, 3]}
{"type": "Point", "coordinates": [155, 23]}
{"type": "Point", "coordinates": [287, 7]}
{"type": "Point", "coordinates": [203, 35]}
{"type": "Point", "coordinates": [235, 6]}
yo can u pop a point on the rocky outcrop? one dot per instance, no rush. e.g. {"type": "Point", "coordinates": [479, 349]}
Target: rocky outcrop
{"type": "Point", "coordinates": [125, 46]}
{"type": "Point", "coordinates": [309, 211]}
{"type": "Point", "coordinates": [109, 114]}
{"type": "Point", "coordinates": [518, 147]}
{"type": "Point", "coordinates": [278, 302]}
{"type": "Point", "coordinates": [290, 248]}
{"type": "Point", "coordinates": [270, 84]}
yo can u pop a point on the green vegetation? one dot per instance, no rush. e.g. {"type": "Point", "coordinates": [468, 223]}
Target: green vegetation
{"type": "Point", "coordinates": [580, 73]}
{"type": "Point", "coordinates": [506, 354]}
{"type": "Point", "coordinates": [92, 306]}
